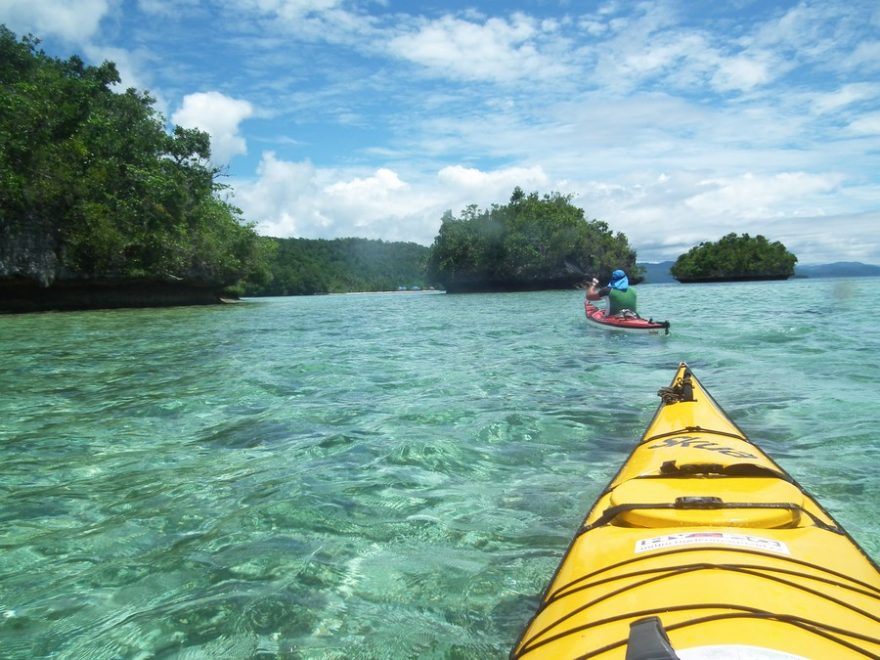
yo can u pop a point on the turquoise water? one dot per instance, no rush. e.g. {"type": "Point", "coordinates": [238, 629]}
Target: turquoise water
{"type": "Point", "coordinates": [376, 476]}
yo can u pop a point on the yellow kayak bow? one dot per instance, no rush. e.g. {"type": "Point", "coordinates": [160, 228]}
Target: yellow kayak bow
{"type": "Point", "coordinates": [702, 547]}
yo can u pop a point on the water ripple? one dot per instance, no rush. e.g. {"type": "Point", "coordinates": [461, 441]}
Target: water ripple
{"type": "Point", "coordinates": [371, 476]}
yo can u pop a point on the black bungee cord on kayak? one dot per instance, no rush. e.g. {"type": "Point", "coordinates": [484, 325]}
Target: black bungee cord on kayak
{"type": "Point", "coordinates": [682, 390]}
{"type": "Point", "coordinates": [704, 503]}
{"type": "Point", "coordinates": [832, 633]}
{"type": "Point", "coordinates": [592, 579]}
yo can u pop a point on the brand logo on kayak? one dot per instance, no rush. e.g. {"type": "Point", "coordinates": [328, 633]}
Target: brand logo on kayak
{"type": "Point", "coordinates": [697, 443]}
{"type": "Point", "coordinates": [711, 538]}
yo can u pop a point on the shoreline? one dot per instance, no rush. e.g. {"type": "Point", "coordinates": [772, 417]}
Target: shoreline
{"type": "Point", "coordinates": [30, 298]}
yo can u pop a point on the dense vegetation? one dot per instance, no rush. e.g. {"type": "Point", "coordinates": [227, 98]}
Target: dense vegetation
{"type": "Point", "coordinates": [95, 190]}
{"type": "Point", "coordinates": [532, 242]}
{"type": "Point", "coordinates": [735, 258]}
{"type": "Point", "coordinates": [92, 177]}
{"type": "Point", "coordinates": [305, 266]}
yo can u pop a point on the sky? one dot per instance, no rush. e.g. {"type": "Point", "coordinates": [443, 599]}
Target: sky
{"type": "Point", "coordinates": [673, 121]}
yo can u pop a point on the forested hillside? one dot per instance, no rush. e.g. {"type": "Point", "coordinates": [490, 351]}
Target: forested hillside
{"type": "Point", "coordinates": [94, 190]}
{"type": "Point", "coordinates": [302, 266]}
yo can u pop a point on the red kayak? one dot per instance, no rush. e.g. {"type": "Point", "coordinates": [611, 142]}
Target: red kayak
{"type": "Point", "coordinates": [628, 321]}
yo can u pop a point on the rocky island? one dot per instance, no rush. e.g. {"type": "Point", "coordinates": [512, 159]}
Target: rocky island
{"type": "Point", "coordinates": [532, 243]}
{"type": "Point", "coordinates": [735, 259]}
{"type": "Point", "coordinates": [99, 205]}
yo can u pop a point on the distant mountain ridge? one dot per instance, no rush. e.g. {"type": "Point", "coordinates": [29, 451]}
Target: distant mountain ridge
{"type": "Point", "coordinates": [658, 273]}
{"type": "Point", "coordinates": [837, 269]}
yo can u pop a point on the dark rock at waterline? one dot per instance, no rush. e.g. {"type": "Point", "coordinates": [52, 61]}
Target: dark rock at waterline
{"type": "Point", "coordinates": [732, 278]}
{"type": "Point", "coordinates": [21, 295]}
{"type": "Point", "coordinates": [33, 278]}
{"type": "Point", "coordinates": [500, 286]}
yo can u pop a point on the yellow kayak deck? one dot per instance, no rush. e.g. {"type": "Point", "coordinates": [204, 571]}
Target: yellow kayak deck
{"type": "Point", "coordinates": [702, 547]}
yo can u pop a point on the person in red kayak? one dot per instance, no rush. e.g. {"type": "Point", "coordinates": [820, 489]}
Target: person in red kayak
{"type": "Point", "coordinates": [621, 296]}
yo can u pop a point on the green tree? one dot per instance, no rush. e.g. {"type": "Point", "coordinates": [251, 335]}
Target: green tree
{"type": "Point", "coordinates": [532, 242]}
{"type": "Point", "coordinates": [301, 266]}
{"type": "Point", "coordinates": [93, 178]}
{"type": "Point", "coordinates": [735, 258]}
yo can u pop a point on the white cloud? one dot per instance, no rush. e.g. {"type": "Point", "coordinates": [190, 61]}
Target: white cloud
{"type": "Point", "coordinates": [665, 215]}
{"type": "Point", "coordinates": [383, 182]}
{"type": "Point", "coordinates": [740, 73]}
{"type": "Point", "coordinates": [658, 57]}
{"type": "Point", "coordinates": [281, 199]}
{"type": "Point", "coordinates": [297, 199]}
{"type": "Point", "coordinates": [749, 196]}
{"type": "Point", "coordinates": [810, 30]}
{"type": "Point", "coordinates": [867, 124]}
{"type": "Point", "coordinates": [368, 205]}
{"type": "Point", "coordinates": [865, 56]}
{"type": "Point", "coordinates": [166, 8]}
{"type": "Point", "coordinates": [76, 22]}
{"type": "Point", "coordinates": [662, 214]}
{"type": "Point", "coordinates": [845, 96]}
{"type": "Point", "coordinates": [79, 22]}
{"type": "Point", "coordinates": [640, 45]}
{"type": "Point", "coordinates": [592, 27]}
{"type": "Point", "coordinates": [830, 36]}
{"type": "Point", "coordinates": [312, 20]}
{"type": "Point", "coordinates": [219, 116]}
{"type": "Point", "coordinates": [492, 185]}
{"type": "Point", "coordinates": [497, 49]}
{"type": "Point", "coordinates": [293, 8]}
{"type": "Point", "coordinates": [824, 238]}
{"type": "Point", "coordinates": [647, 42]}
{"type": "Point", "coordinates": [128, 63]}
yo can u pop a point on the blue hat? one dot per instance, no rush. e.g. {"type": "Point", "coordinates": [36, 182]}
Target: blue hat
{"type": "Point", "coordinates": [619, 280]}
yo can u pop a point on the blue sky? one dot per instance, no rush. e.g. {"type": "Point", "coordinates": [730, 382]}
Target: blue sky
{"type": "Point", "coordinates": [673, 121]}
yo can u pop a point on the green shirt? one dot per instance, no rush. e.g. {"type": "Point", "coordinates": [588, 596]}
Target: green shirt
{"type": "Point", "coordinates": [620, 300]}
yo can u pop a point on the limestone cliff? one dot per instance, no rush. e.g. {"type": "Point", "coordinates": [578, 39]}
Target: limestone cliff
{"type": "Point", "coordinates": [27, 256]}
{"type": "Point", "coordinates": [32, 278]}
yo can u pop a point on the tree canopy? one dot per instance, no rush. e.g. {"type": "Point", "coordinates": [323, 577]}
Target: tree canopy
{"type": "Point", "coordinates": [92, 176]}
{"type": "Point", "coordinates": [302, 266]}
{"type": "Point", "coordinates": [531, 242]}
{"type": "Point", "coordinates": [735, 258]}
